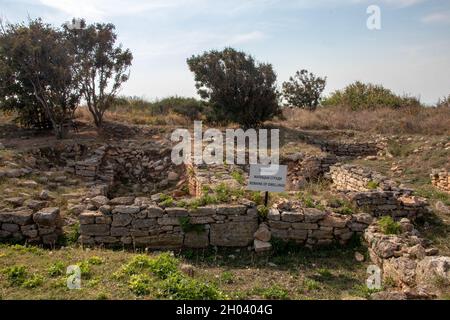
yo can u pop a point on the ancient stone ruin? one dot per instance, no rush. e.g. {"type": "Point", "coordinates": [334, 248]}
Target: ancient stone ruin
{"type": "Point", "coordinates": [139, 222]}
{"type": "Point", "coordinates": [441, 179]}
{"type": "Point", "coordinates": [407, 261]}
{"type": "Point", "coordinates": [375, 193]}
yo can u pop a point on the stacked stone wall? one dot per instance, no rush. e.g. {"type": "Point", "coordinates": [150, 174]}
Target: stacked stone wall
{"type": "Point", "coordinates": [375, 193]}
{"type": "Point", "coordinates": [24, 224]}
{"type": "Point", "coordinates": [140, 222]}
{"type": "Point", "coordinates": [441, 180]}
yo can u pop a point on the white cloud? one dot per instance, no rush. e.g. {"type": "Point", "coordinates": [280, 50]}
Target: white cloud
{"type": "Point", "coordinates": [100, 9]}
{"type": "Point", "coordinates": [246, 37]}
{"type": "Point", "coordinates": [437, 17]}
{"type": "Point", "coordinates": [403, 3]}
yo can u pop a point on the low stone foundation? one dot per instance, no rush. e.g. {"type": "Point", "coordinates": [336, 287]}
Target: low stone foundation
{"type": "Point", "coordinates": [375, 193]}
{"type": "Point", "coordinates": [408, 262]}
{"type": "Point", "coordinates": [139, 222]}
{"type": "Point", "coordinates": [441, 180]}
{"type": "Point", "coordinates": [313, 227]}
{"type": "Point", "coordinates": [32, 226]}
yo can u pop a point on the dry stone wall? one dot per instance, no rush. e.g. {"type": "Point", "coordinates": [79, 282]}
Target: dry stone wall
{"type": "Point", "coordinates": [441, 179]}
{"type": "Point", "coordinates": [408, 260]}
{"type": "Point", "coordinates": [30, 225]}
{"type": "Point", "coordinates": [140, 222]}
{"type": "Point", "coordinates": [375, 193]}
{"type": "Point", "coordinates": [303, 168]}
{"type": "Point", "coordinates": [311, 227]}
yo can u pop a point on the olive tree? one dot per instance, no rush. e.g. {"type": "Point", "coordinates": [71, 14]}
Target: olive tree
{"type": "Point", "coordinates": [101, 66]}
{"type": "Point", "coordinates": [304, 90]}
{"type": "Point", "coordinates": [37, 74]}
{"type": "Point", "coordinates": [238, 88]}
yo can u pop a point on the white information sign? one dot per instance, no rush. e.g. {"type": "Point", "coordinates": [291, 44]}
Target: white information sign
{"type": "Point", "coordinates": [267, 178]}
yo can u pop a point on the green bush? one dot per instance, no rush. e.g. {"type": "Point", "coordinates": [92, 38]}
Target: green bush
{"type": "Point", "coordinates": [188, 107]}
{"type": "Point", "coordinates": [388, 225]}
{"type": "Point", "coordinates": [275, 292]}
{"type": "Point", "coordinates": [373, 185]}
{"type": "Point", "coordinates": [180, 287]}
{"type": "Point", "coordinates": [56, 269]}
{"type": "Point", "coordinates": [263, 211]}
{"type": "Point", "coordinates": [164, 265]}
{"type": "Point", "coordinates": [360, 96]}
{"type": "Point", "coordinates": [140, 284]}
{"type": "Point", "coordinates": [16, 275]}
{"type": "Point", "coordinates": [33, 281]}
{"type": "Point", "coordinates": [136, 265]}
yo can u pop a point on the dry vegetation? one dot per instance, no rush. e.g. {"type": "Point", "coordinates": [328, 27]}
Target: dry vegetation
{"type": "Point", "coordinates": [418, 120]}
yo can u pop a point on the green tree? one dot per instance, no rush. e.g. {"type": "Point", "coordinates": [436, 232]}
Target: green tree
{"type": "Point", "coordinates": [101, 65]}
{"type": "Point", "coordinates": [360, 96]}
{"type": "Point", "coordinates": [238, 88]}
{"type": "Point", "coordinates": [37, 75]}
{"type": "Point", "coordinates": [304, 90]}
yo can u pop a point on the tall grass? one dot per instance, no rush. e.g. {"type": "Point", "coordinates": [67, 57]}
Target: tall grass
{"type": "Point", "coordinates": [410, 120]}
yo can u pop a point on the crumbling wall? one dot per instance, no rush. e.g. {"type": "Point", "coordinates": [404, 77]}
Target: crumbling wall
{"type": "Point", "coordinates": [408, 261]}
{"type": "Point", "coordinates": [441, 179]}
{"type": "Point", "coordinates": [375, 193]}
{"type": "Point", "coordinates": [312, 227]}
{"type": "Point", "coordinates": [30, 225]}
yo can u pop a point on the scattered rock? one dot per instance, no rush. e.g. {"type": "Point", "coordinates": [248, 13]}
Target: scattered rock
{"type": "Point", "coordinates": [263, 233]}
{"type": "Point", "coordinates": [172, 176]}
{"type": "Point", "coordinates": [44, 195]}
{"type": "Point", "coordinates": [261, 246]}
{"type": "Point", "coordinates": [359, 257]}
{"type": "Point", "coordinates": [187, 269]}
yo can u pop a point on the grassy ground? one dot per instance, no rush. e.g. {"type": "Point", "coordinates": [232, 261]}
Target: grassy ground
{"type": "Point", "coordinates": [35, 273]}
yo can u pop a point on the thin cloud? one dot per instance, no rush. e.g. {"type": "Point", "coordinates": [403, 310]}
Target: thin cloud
{"type": "Point", "coordinates": [246, 37]}
{"type": "Point", "coordinates": [437, 17]}
{"type": "Point", "coordinates": [101, 9]}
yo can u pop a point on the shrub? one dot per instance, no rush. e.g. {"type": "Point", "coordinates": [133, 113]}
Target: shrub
{"type": "Point", "coordinates": [190, 108]}
{"type": "Point", "coordinates": [136, 265]}
{"type": "Point", "coordinates": [164, 265]}
{"type": "Point", "coordinates": [56, 269]}
{"type": "Point", "coordinates": [139, 284]}
{"type": "Point", "coordinates": [179, 287]}
{"type": "Point", "coordinates": [238, 176]}
{"type": "Point", "coordinates": [16, 275]}
{"type": "Point", "coordinates": [359, 96]}
{"type": "Point", "coordinates": [275, 292]}
{"type": "Point", "coordinates": [304, 90]}
{"type": "Point", "coordinates": [388, 225]}
{"type": "Point", "coordinates": [33, 282]}
{"type": "Point", "coordinates": [372, 185]}
{"type": "Point", "coordinates": [94, 260]}
{"type": "Point", "coordinates": [237, 88]}
{"type": "Point", "coordinates": [227, 277]}
{"type": "Point", "coordinates": [263, 211]}
{"type": "Point", "coordinates": [311, 284]}
{"type": "Point", "coordinates": [84, 268]}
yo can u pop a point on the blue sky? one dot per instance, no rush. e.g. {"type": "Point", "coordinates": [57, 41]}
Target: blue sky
{"type": "Point", "coordinates": [410, 54]}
